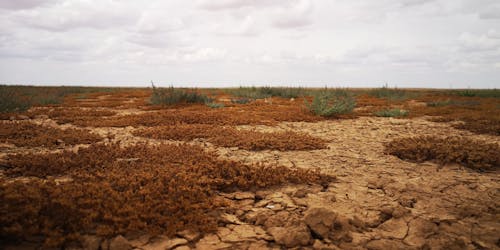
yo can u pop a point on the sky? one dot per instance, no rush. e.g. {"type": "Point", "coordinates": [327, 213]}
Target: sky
{"type": "Point", "coordinates": [222, 43]}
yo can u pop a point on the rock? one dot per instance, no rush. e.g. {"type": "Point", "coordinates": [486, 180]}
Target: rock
{"type": "Point", "coordinates": [162, 243]}
{"type": "Point", "coordinates": [139, 240]}
{"type": "Point", "coordinates": [90, 242]}
{"type": "Point", "coordinates": [230, 219]}
{"type": "Point", "coordinates": [243, 195]}
{"type": "Point", "coordinates": [291, 236]}
{"type": "Point", "coordinates": [322, 246]}
{"type": "Point", "coordinates": [301, 193]}
{"type": "Point", "coordinates": [184, 247]}
{"type": "Point", "coordinates": [419, 230]}
{"type": "Point", "coordinates": [189, 235]}
{"type": "Point", "coordinates": [277, 220]}
{"type": "Point", "coordinates": [43, 117]}
{"type": "Point", "coordinates": [394, 228]}
{"type": "Point", "coordinates": [119, 243]}
{"type": "Point", "coordinates": [320, 220]}
{"type": "Point", "coordinates": [211, 241]}
{"type": "Point", "coordinates": [23, 117]}
{"type": "Point", "coordinates": [384, 244]}
{"type": "Point", "coordinates": [105, 245]}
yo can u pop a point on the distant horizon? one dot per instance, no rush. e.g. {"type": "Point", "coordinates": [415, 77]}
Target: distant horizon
{"type": "Point", "coordinates": [208, 86]}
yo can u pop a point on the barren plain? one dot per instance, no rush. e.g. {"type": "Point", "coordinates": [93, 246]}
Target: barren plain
{"type": "Point", "coordinates": [108, 170]}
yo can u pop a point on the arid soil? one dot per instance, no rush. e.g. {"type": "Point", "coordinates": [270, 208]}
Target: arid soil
{"type": "Point", "coordinates": [374, 201]}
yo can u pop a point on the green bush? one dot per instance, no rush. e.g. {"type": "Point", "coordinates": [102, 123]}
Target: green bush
{"type": "Point", "coordinates": [266, 92]}
{"type": "Point", "coordinates": [331, 103]}
{"type": "Point", "coordinates": [391, 113]}
{"type": "Point", "coordinates": [171, 95]}
{"type": "Point", "coordinates": [215, 105]}
{"type": "Point", "coordinates": [391, 93]}
{"type": "Point", "coordinates": [495, 93]}
{"type": "Point", "coordinates": [241, 100]}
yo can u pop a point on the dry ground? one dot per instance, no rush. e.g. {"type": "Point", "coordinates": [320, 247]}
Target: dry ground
{"type": "Point", "coordinates": [375, 201]}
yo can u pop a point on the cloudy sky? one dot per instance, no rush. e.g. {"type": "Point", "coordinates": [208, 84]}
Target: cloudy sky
{"type": "Point", "coordinates": [347, 43]}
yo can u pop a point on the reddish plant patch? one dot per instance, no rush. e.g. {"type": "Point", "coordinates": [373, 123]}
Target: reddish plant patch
{"type": "Point", "coordinates": [467, 152]}
{"type": "Point", "coordinates": [157, 189]}
{"type": "Point", "coordinates": [231, 137]}
{"type": "Point", "coordinates": [26, 134]}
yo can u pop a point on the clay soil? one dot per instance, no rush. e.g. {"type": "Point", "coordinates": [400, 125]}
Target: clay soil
{"type": "Point", "coordinates": [263, 175]}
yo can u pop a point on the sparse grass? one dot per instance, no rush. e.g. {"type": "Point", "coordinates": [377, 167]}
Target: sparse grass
{"type": "Point", "coordinates": [392, 113]}
{"type": "Point", "coordinates": [20, 98]}
{"type": "Point", "coordinates": [241, 100]}
{"type": "Point", "coordinates": [467, 152]}
{"type": "Point", "coordinates": [450, 102]}
{"type": "Point", "coordinates": [214, 105]}
{"type": "Point", "coordinates": [171, 96]}
{"type": "Point", "coordinates": [495, 93]}
{"type": "Point", "coordinates": [393, 94]}
{"type": "Point", "coordinates": [266, 92]}
{"type": "Point", "coordinates": [330, 104]}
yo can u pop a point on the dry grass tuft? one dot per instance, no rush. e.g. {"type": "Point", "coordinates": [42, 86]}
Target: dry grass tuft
{"type": "Point", "coordinates": [467, 152]}
{"type": "Point", "coordinates": [115, 190]}
{"type": "Point", "coordinates": [26, 134]}
{"type": "Point", "coordinates": [231, 137]}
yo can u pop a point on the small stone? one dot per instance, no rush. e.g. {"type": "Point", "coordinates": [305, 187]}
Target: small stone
{"type": "Point", "coordinates": [189, 235]}
{"type": "Point", "coordinates": [90, 242]}
{"type": "Point", "coordinates": [23, 117]}
{"type": "Point", "coordinates": [162, 243]}
{"type": "Point", "coordinates": [291, 236]}
{"type": "Point", "coordinates": [320, 220]}
{"type": "Point", "coordinates": [230, 219]}
{"type": "Point", "coordinates": [119, 243]}
{"type": "Point", "coordinates": [43, 117]}
{"type": "Point", "coordinates": [184, 247]}
{"type": "Point", "coordinates": [243, 195]}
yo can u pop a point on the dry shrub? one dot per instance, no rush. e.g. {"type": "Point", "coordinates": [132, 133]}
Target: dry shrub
{"type": "Point", "coordinates": [467, 152]}
{"type": "Point", "coordinates": [231, 137]}
{"type": "Point", "coordinates": [478, 115]}
{"type": "Point", "coordinates": [26, 134]}
{"type": "Point", "coordinates": [71, 115]}
{"type": "Point", "coordinates": [200, 114]}
{"type": "Point", "coordinates": [158, 189]}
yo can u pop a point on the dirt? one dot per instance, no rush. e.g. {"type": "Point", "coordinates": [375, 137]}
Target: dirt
{"type": "Point", "coordinates": [377, 201]}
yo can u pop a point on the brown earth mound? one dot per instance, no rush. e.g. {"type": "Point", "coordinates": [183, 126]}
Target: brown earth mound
{"type": "Point", "coordinates": [156, 189]}
{"type": "Point", "coordinates": [467, 152]}
{"type": "Point", "coordinates": [231, 137]}
{"type": "Point", "coordinates": [26, 134]}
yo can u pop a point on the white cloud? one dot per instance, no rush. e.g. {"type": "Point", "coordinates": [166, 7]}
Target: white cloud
{"type": "Point", "coordinates": [251, 41]}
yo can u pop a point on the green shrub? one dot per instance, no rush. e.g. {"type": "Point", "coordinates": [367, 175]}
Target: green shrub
{"type": "Point", "coordinates": [495, 93]}
{"type": "Point", "coordinates": [391, 113]}
{"type": "Point", "coordinates": [391, 93]}
{"type": "Point", "coordinates": [266, 92]}
{"type": "Point", "coordinates": [331, 103]}
{"type": "Point", "coordinates": [215, 105]}
{"type": "Point", "coordinates": [241, 100]}
{"type": "Point", "coordinates": [449, 102]}
{"type": "Point", "coordinates": [171, 95]}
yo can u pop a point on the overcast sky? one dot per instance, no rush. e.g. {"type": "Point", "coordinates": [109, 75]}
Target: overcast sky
{"type": "Point", "coordinates": [204, 43]}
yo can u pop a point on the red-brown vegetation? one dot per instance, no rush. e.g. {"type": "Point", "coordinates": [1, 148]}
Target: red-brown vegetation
{"type": "Point", "coordinates": [115, 190]}
{"type": "Point", "coordinates": [231, 137]}
{"type": "Point", "coordinates": [467, 152]}
{"type": "Point", "coordinates": [26, 134]}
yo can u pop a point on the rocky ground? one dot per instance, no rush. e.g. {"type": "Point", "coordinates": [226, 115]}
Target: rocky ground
{"type": "Point", "coordinates": [377, 201]}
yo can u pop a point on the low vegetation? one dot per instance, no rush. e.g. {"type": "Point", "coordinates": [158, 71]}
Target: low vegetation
{"type": "Point", "coordinates": [20, 98]}
{"type": "Point", "coordinates": [392, 113]}
{"type": "Point", "coordinates": [158, 189]}
{"type": "Point", "coordinates": [231, 137]}
{"type": "Point", "coordinates": [330, 104]}
{"type": "Point", "coordinates": [393, 94]}
{"type": "Point", "coordinates": [171, 96]}
{"type": "Point", "coordinates": [494, 93]}
{"type": "Point", "coordinates": [266, 92]}
{"type": "Point", "coordinates": [26, 134]}
{"type": "Point", "coordinates": [461, 150]}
